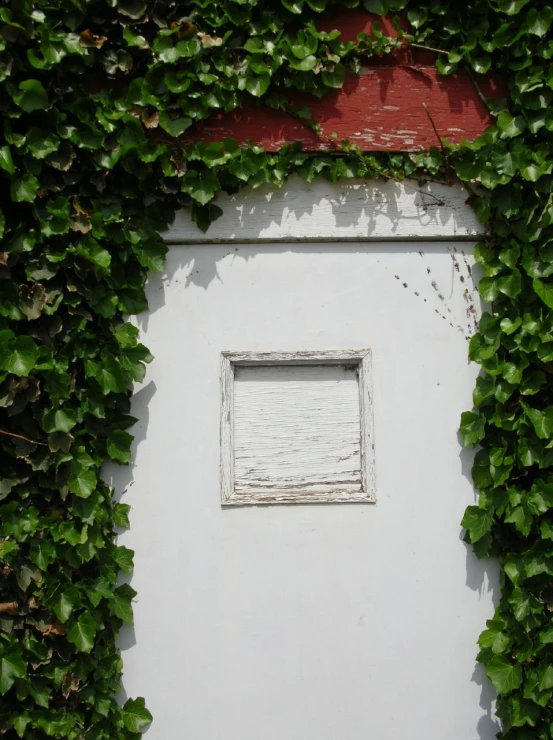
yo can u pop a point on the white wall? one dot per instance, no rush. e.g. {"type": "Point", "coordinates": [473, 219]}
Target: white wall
{"type": "Point", "coordinates": [329, 622]}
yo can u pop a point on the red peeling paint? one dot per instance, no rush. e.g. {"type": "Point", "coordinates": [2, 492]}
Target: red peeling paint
{"type": "Point", "coordinates": [391, 108]}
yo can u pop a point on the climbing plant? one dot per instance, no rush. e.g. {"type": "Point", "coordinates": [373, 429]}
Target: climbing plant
{"type": "Point", "coordinates": [94, 95]}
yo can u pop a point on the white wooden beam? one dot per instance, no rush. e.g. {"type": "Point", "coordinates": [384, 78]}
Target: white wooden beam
{"type": "Point", "coordinates": [352, 210]}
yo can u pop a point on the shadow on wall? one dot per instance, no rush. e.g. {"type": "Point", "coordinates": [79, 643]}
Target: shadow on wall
{"type": "Point", "coordinates": [483, 578]}
{"type": "Point", "coordinates": [354, 209]}
{"type": "Point", "coordinates": [121, 478]}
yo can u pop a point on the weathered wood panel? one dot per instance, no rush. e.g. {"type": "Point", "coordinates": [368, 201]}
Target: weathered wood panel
{"type": "Point", "coordinates": [351, 210]}
{"type": "Point", "coordinates": [297, 427]}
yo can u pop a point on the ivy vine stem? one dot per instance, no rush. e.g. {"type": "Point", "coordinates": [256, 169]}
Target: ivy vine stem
{"type": "Point", "coordinates": [24, 439]}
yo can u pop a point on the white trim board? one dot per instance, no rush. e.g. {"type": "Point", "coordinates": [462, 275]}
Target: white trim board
{"type": "Point", "coordinates": [352, 210]}
{"type": "Point", "coordinates": [297, 436]}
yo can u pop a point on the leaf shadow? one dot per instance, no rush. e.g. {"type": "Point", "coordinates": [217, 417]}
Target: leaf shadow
{"type": "Point", "coordinates": [120, 478]}
{"type": "Point", "coordinates": [488, 726]}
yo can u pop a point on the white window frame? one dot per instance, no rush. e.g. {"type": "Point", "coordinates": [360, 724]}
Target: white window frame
{"type": "Point", "coordinates": [299, 495]}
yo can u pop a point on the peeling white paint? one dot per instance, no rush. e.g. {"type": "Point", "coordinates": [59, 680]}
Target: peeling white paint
{"type": "Point", "coordinates": [297, 428]}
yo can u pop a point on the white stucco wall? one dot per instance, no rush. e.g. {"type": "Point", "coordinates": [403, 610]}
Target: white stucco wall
{"type": "Point", "coordinates": [329, 622]}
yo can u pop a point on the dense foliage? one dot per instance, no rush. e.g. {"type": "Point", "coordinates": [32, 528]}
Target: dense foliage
{"type": "Point", "coordinates": [85, 190]}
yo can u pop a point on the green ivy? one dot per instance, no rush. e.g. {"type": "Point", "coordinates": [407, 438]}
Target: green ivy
{"type": "Point", "coordinates": [87, 184]}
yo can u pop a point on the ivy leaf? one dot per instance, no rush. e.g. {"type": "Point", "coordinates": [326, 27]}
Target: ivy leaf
{"type": "Point", "coordinates": [126, 335]}
{"type": "Point", "coordinates": [59, 420]}
{"type": "Point", "coordinates": [201, 186]}
{"type": "Point", "coordinates": [481, 476]}
{"type": "Point", "coordinates": [545, 676]}
{"type": "Point", "coordinates": [305, 46]}
{"type": "Point", "coordinates": [546, 531]}
{"type": "Point", "coordinates": [512, 373]}
{"type": "Point", "coordinates": [507, 199]}
{"type": "Point", "coordinates": [82, 481]}
{"type": "Point", "coordinates": [417, 17]}
{"type": "Point", "coordinates": [40, 691]}
{"type": "Point", "coordinates": [32, 300]}
{"type": "Point", "coordinates": [92, 251]}
{"type": "Point", "coordinates": [20, 723]}
{"type": "Point", "coordinates": [523, 712]}
{"type": "Point", "coordinates": [42, 553]}
{"type": "Point", "coordinates": [123, 556]}
{"type": "Point", "coordinates": [489, 289]}
{"type": "Point", "coordinates": [121, 515]}
{"type": "Point", "coordinates": [477, 522]}
{"type": "Point", "coordinates": [134, 39]}
{"type": "Point", "coordinates": [472, 427]}
{"type": "Point", "coordinates": [304, 65]}
{"type": "Point", "coordinates": [121, 602]}
{"type": "Point", "coordinates": [100, 589]}
{"type": "Point", "coordinates": [60, 441]}
{"type": "Point", "coordinates": [521, 518]}
{"type": "Point", "coordinates": [6, 161]}
{"type": "Point", "coordinates": [258, 85]}
{"type": "Point", "coordinates": [374, 6]}
{"type": "Point", "coordinates": [546, 637]}
{"type": "Point", "coordinates": [504, 162]}
{"type": "Point", "coordinates": [494, 637]}
{"type": "Point", "coordinates": [544, 291]}
{"type": "Point", "coordinates": [40, 145]}
{"type": "Point", "coordinates": [481, 63]}
{"type": "Point", "coordinates": [540, 498]}
{"type": "Point", "coordinates": [12, 666]}
{"type": "Point", "coordinates": [538, 23]}
{"type": "Point", "coordinates": [521, 604]}
{"type": "Point", "coordinates": [510, 285]}
{"type": "Point", "coordinates": [67, 601]}
{"type": "Point", "coordinates": [528, 453]}
{"type": "Point", "coordinates": [24, 189]}
{"type": "Point", "coordinates": [136, 717]}
{"type": "Point", "coordinates": [445, 68]}
{"type": "Point", "coordinates": [482, 209]}
{"type": "Point", "coordinates": [503, 674]}
{"type": "Point", "coordinates": [119, 446]}
{"type": "Point", "coordinates": [484, 389]}
{"type": "Point", "coordinates": [151, 254]}
{"type": "Point", "coordinates": [334, 77]}
{"type": "Point", "coordinates": [294, 6]}
{"type": "Point", "coordinates": [514, 569]}
{"type": "Point", "coordinates": [21, 358]}
{"type": "Point", "coordinates": [31, 96]}
{"type": "Point", "coordinates": [82, 631]}
{"type": "Point", "coordinates": [509, 125]}
{"type": "Point", "coordinates": [132, 8]}
{"type": "Point", "coordinates": [110, 375]}
{"type": "Point", "coordinates": [511, 7]}
{"type": "Point", "coordinates": [204, 216]}
{"type": "Point", "coordinates": [541, 421]}
{"type": "Point", "coordinates": [173, 122]}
